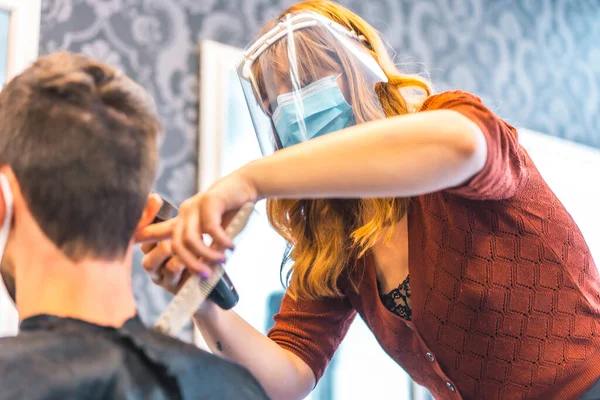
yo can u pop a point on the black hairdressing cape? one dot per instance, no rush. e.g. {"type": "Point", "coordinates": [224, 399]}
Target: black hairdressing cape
{"type": "Point", "coordinates": [63, 359]}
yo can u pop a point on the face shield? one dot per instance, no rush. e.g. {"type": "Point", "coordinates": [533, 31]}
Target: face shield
{"type": "Point", "coordinates": [305, 77]}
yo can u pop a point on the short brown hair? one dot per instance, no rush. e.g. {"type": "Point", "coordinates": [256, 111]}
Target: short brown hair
{"type": "Point", "coordinates": [81, 139]}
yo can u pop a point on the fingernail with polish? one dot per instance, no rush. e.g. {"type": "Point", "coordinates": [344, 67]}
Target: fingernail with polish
{"type": "Point", "coordinates": [204, 275]}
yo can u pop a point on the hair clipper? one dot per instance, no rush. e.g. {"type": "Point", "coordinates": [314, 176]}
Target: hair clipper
{"type": "Point", "coordinates": [224, 294]}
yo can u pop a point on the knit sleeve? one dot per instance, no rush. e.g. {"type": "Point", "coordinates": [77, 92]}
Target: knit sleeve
{"type": "Point", "coordinates": [504, 168]}
{"type": "Point", "coordinates": [312, 330]}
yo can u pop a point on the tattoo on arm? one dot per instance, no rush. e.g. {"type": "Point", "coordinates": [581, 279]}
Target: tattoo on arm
{"type": "Point", "coordinates": [219, 347]}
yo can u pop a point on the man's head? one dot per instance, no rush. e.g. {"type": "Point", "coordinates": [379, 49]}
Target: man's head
{"type": "Point", "coordinates": [78, 148]}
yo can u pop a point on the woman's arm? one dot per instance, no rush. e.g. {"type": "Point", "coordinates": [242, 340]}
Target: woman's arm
{"type": "Point", "coordinates": [293, 357]}
{"type": "Point", "coordinates": [282, 374]}
{"type": "Point", "coordinates": [400, 156]}
{"type": "Point", "coordinates": [395, 157]}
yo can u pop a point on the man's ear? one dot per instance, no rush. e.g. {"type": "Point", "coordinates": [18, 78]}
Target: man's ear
{"type": "Point", "coordinates": [150, 212]}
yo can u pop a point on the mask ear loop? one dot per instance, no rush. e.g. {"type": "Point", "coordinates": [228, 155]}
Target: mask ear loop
{"type": "Point", "coordinates": [295, 79]}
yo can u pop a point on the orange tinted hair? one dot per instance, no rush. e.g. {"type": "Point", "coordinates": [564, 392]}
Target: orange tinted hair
{"type": "Point", "coordinates": [328, 235]}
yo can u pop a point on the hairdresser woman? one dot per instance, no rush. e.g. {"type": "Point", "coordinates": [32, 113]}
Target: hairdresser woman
{"type": "Point", "coordinates": [434, 226]}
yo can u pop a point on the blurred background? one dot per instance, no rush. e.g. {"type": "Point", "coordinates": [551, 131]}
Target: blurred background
{"type": "Point", "coordinates": [536, 63]}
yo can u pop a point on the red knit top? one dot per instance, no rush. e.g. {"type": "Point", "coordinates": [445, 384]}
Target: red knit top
{"type": "Point", "coordinates": [505, 294]}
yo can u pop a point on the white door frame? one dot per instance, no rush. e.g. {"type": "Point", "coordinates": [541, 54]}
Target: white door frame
{"type": "Point", "coordinates": [23, 48]}
{"type": "Point", "coordinates": [23, 35]}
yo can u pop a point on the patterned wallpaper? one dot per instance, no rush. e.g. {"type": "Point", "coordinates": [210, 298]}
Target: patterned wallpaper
{"type": "Point", "coordinates": [535, 62]}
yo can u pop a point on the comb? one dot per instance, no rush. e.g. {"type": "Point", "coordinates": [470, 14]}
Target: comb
{"type": "Point", "coordinates": [196, 289]}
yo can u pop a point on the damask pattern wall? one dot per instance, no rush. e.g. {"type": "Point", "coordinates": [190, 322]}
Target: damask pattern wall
{"type": "Point", "coordinates": [535, 62]}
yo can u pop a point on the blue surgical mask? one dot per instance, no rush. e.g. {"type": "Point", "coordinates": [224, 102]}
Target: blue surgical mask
{"type": "Point", "coordinates": [314, 110]}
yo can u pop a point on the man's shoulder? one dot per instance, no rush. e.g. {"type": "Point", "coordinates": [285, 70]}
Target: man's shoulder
{"type": "Point", "coordinates": [39, 365]}
{"type": "Point", "coordinates": [201, 374]}
{"type": "Point", "coordinates": [34, 362]}
{"type": "Point", "coordinates": [28, 345]}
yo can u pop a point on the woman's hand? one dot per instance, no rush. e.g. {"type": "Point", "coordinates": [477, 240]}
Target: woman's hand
{"type": "Point", "coordinates": [204, 213]}
{"type": "Point", "coordinates": [163, 268]}
{"type": "Point", "coordinates": [167, 271]}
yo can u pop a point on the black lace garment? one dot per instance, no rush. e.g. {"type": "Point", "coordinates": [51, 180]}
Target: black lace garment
{"type": "Point", "coordinates": [398, 300]}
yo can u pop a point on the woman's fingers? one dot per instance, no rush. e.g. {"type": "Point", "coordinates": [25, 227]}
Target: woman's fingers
{"type": "Point", "coordinates": [196, 255]}
{"type": "Point", "coordinates": [201, 214]}
{"type": "Point", "coordinates": [166, 269]}
{"type": "Point", "coordinates": [192, 239]}
{"type": "Point", "coordinates": [156, 232]}
{"type": "Point", "coordinates": [212, 219]}
{"type": "Point", "coordinates": [182, 252]}
{"type": "Point", "coordinates": [157, 255]}
{"type": "Point", "coordinates": [172, 273]}
{"type": "Point", "coordinates": [187, 257]}
{"type": "Point", "coordinates": [155, 258]}
{"type": "Point", "coordinates": [147, 247]}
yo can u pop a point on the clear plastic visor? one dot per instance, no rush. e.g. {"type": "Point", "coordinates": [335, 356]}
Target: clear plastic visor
{"type": "Point", "coordinates": [307, 76]}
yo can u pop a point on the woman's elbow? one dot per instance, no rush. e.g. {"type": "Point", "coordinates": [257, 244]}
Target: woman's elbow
{"type": "Point", "coordinates": [471, 145]}
{"type": "Point", "coordinates": [297, 383]}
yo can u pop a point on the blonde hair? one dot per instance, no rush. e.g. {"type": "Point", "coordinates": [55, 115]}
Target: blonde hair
{"type": "Point", "coordinates": [327, 236]}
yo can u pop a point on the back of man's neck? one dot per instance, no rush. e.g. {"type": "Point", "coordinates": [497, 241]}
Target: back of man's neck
{"type": "Point", "coordinates": [95, 291]}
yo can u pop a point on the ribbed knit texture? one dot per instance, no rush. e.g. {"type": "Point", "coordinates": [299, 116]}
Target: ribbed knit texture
{"type": "Point", "coordinates": [505, 294]}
